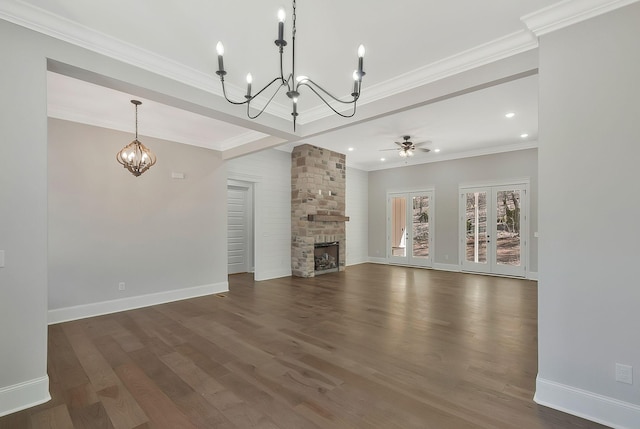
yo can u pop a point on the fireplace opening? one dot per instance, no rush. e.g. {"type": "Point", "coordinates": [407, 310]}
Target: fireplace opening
{"type": "Point", "coordinates": [326, 257]}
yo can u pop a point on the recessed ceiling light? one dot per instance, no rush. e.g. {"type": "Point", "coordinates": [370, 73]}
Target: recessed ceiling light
{"type": "Point", "coordinates": [382, 159]}
{"type": "Point", "coordinates": [436, 150]}
{"type": "Point", "coordinates": [510, 115]}
{"type": "Point", "coordinates": [351, 149]}
{"type": "Point", "coordinates": [524, 135]}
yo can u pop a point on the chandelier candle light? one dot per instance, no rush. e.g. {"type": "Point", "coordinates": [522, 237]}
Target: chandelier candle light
{"type": "Point", "coordinates": [292, 82]}
{"type": "Point", "coordinates": [135, 156]}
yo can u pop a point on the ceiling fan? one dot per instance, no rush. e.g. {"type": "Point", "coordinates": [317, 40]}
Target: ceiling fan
{"type": "Point", "coordinates": [407, 148]}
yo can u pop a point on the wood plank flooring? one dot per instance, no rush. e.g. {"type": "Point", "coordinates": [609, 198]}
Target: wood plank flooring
{"type": "Point", "coordinates": [373, 347]}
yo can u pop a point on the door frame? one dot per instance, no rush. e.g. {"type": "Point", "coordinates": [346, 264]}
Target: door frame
{"type": "Point", "coordinates": [408, 259]}
{"type": "Point", "coordinates": [249, 221]}
{"type": "Point", "coordinates": [490, 187]}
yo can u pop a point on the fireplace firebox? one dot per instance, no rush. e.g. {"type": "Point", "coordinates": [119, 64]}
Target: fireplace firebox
{"type": "Point", "coordinates": [326, 257]}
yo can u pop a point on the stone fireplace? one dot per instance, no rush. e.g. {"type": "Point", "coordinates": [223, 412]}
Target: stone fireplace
{"type": "Point", "coordinates": [318, 179]}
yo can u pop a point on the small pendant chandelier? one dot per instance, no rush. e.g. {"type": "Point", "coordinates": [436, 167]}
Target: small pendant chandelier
{"type": "Point", "coordinates": [292, 82]}
{"type": "Point", "coordinates": [135, 156]}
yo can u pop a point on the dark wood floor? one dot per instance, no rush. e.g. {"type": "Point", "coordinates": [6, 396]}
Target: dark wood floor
{"type": "Point", "coordinates": [372, 347]}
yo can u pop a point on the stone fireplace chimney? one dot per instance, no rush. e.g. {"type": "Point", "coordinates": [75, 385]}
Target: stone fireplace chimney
{"type": "Point", "coordinates": [318, 179]}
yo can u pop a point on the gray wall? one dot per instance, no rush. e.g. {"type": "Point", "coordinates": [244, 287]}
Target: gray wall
{"type": "Point", "coordinates": [23, 214]}
{"type": "Point", "coordinates": [23, 193]}
{"type": "Point", "coordinates": [357, 208]}
{"type": "Point", "coordinates": [106, 226]}
{"type": "Point", "coordinates": [445, 177]}
{"type": "Point", "coordinates": [589, 200]}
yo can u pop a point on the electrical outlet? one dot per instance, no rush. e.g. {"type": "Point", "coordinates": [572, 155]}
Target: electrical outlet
{"type": "Point", "coordinates": [624, 373]}
{"type": "Point", "coordinates": [446, 257]}
{"type": "Point", "coordinates": [121, 286]}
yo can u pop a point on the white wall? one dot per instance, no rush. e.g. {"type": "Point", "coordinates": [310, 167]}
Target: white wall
{"type": "Point", "coordinates": [357, 208]}
{"type": "Point", "coordinates": [270, 171]}
{"type": "Point", "coordinates": [445, 177]}
{"type": "Point", "coordinates": [154, 233]}
{"type": "Point", "coordinates": [589, 200]}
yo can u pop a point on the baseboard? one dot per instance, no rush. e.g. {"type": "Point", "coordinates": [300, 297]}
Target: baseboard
{"type": "Point", "coordinates": [601, 409]}
{"type": "Point", "coordinates": [377, 260]}
{"type": "Point", "coordinates": [357, 261]}
{"type": "Point", "coordinates": [66, 314]}
{"type": "Point", "coordinates": [24, 395]}
{"type": "Point", "coordinates": [446, 267]}
{"type": "Point", "coordinates": [271, 274]}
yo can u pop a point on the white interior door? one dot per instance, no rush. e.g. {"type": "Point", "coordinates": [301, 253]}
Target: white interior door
{"type": "Point", "coordinates": [493, 229]}
{"type": "Point", "coordinates": [239, 230]}
{"type": "Point", "coordinates": [409, 228]}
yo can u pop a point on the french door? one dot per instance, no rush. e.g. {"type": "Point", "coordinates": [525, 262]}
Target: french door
{"type": "Point", "coordinates": [493, 229]}
{"type": "Point", "coordinates": [409, 228]}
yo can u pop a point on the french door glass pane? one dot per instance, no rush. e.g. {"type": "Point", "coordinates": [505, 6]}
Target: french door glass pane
{"type": "Point", "coordinates": [476, 228]}
{"type": "Point", "coordinates": [420, 219]}
{"type": "Point", "coordinates": [508, 245]}
{"type": "Point", "coordinates": [398, 226]}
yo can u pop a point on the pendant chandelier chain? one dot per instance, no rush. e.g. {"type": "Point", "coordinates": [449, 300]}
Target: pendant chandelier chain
{"type": "Point", "coordinates": [136, 121]}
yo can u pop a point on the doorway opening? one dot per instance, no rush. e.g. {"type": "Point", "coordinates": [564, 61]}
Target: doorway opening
{"type": "Point", "coordinates": [240, 227]}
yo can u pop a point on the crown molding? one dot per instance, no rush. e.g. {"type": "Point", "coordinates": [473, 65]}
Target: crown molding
{"type": "Point", "coordinates": [60, 28]}
{"type": "Point", "coordinates": [74, 115]}
{"type": "Point", "coordinates": [569, 12]}
{"type": "Point", "coordinates": [242, 139]}
{"type": "Point", "coordinates": [549, 19]}
{"type": "Point", "coordinates": [47, 23]}
{"type": "Point", "coordinates": [495, 50]}
{"type": "Point", "coordinates": [403, 162]}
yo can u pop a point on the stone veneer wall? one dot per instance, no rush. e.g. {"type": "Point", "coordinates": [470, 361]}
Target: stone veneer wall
{"type": "Point", "coordinates": [318, 184]}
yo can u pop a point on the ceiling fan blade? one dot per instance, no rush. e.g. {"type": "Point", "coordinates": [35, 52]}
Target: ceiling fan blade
{"type": "Point", "coordinates": [383, 150]}
{"type": "Point", "coordinates": [399, 144]}
{"type": "Point", "coordinates": [423, 149]}
{"type": "Point", "coordinates": [424, 142]}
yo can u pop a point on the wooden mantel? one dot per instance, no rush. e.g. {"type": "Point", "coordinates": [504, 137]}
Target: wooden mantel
{"type": "Point", "coordinates": [327, 218]}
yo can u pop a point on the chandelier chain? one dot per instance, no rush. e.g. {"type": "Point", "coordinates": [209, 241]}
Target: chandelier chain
{"type": "Point", "coordinates": [293, 32]}
{"type": "Point", "coordinates": [136, 121]}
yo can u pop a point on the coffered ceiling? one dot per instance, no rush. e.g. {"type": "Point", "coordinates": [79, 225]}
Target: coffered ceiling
{"type": "Point", "coordinates": [441, 71]}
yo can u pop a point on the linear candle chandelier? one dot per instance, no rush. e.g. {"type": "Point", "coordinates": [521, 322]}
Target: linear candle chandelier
{"type": "Point", "coordinates": [292, 82]}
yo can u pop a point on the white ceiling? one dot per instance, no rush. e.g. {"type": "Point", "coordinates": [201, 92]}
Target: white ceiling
{"type": "Point", "coordinates": [412, 47]}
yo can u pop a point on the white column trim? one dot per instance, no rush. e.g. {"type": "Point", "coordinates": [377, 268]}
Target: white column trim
{"type": "Point", "coordinates": [598, 408]}
{"type": "Point", "coordinates": [24, 395]}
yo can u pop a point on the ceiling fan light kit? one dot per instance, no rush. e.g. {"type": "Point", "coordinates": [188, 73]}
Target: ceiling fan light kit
{"type": "Point", "coordinates": [292, 82]}
{"type": "Point", "coordinates": [407, 148]}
